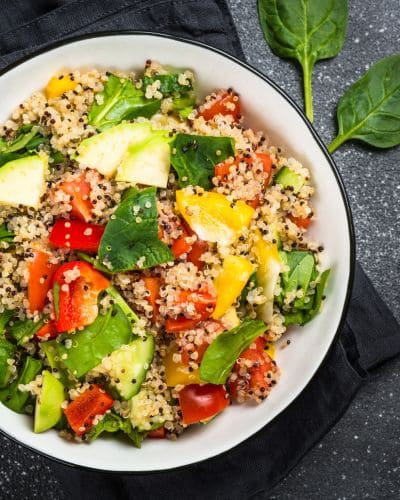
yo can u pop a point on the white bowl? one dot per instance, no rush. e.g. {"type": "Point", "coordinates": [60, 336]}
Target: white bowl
{"type": "Point", "coordinates": [264, 106]}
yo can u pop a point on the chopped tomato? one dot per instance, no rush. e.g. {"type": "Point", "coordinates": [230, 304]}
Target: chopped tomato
{"type": "Point", "coordinates": [47, 332]}
{"type": "Point", "coordinates": [224, 103]}
{"type": "Point", "coordinates": [174, 325]}
{"type": "Point", "coordinates": [159, 433]}
{"type": "Point", "coordinates": [76, 235]}
{"type": "Point", "coordinates": [300, 221]}
{"type": "Point", "coordinates": [41, 272]}
{"type": "Point", "coordinates": [152, 284]}
{"type": "Point", "coordinates": [199, 247]}
{"type": "Point", "coordinates": [200, 349]}
{"type": "Point", "coordinates": [255, 381]}
{"type": "Point", "coordinates": [223, 169]}
{"type": "Point", "coordinates": [181, 246]}
{"type": "Point", "coordinates": [193, 250]}
{"type": "Point", "coordinates": [201, 402]}
{"type": "Point", "coordinates": [267, 166]}
{"type": "Point", "coordinates": [82, 411]}
{"type": "Point", "coordinates": [76, 286]}
{"type": "Point", "coordinates": [79, 190]}
{"type": "Point", "coordinates": [204, 304]}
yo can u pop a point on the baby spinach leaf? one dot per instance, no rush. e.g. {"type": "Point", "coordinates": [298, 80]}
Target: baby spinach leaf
{"type": "Point", "coordinates": [370, 109]}
{"type": "Point", "coordinates": [93, 343]}
{"type": "Point", "coordinates": [114, 423]}
{"type": "Point", "coordinates": [318, 297]}
{"type": "Point", "coordinates": [7, 351]}
{"type": "Point", "coordinates": [11, 396]}
{"type": "Point", "coordinates": [23, 330]}
{"type": "Point", "coordinates": [194, 157]}
{"type": "Point", "coordinates": [120, 100]}
{"type": "Point", "coordinates": [169, 83]}
{"type": "Point", "coordinates": [305, 30]}
{"type": "Point", "coordinates": [130, 240]}
{"type": "Point", "coordinates": [28, 138]}
{"type": "Point", "coordinates": [121, 302]}
{"type": "Point", "coordinates": [222, 354]}
{"type": "Point", "coordinates": [5, 317]}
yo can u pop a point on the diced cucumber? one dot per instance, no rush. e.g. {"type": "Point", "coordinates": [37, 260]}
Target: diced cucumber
{"type": "Point", "coordinates": [22, 181]}
{"type": "Point", "coordinates": [48, 404]}
{"type": "Point", "coordinates": [105, 151]}
{"type": "Point", "coordinates": [128, 365]}
{"type": "Point", "coordinates": [147, 163]}
{"type": "Point", "coordinates": [142, 414]}
{"type": "Point", "coordinates": [288, 178]}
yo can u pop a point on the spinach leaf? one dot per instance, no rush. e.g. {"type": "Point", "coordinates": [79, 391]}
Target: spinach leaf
{"type": "Point", "coordinates": [169, 83]}
{"type": "Point", "coordinates": [7, 351]}
{"type": "Point", "coordinates": [120, 100]}
{"type": "Point", "coordinates": [305, 30]}
{"type": "Point", "coordinates": [28, 138]}
{"type": "Point", "coordinates": [130, 240]}
{"type": "Point", "coordinates": [23, 330]}
{"type": "Point", "coordinates": [250, 285]}
{"type": "Point", "coordinates": [5, 234]}
{"type": "Point", "coordinates": [318, 297]}
{"type": "Point", "coordinates": [93, 261]}
{"type": "Point", "coordinates": [222, 354]}
{"type": "Point", "coordinates": [370, 109]}
{"type": "Point", "coordinates": [114, 423]}
{"type": "Point", "coordinates": [121, 302]}
{"type": "Point", "coordinates": [93, 343]}
{"type": "Point", "coordinates": [184, 105]}
{"type": "Point", "coordinates": [5, 317]}
{"type": "Point", "coordinates": [11, 396]}
{"type": "Point", "coordinates": [194, 157]}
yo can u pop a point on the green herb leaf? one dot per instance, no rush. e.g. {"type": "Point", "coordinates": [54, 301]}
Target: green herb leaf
{"type": "Point", "coordinates": [28, 138]}
{"type": "Point", "coordinates": [222, 354]}
{"type": "Point", "coordinates": [120, 100]}
{"type": "Point", "coordinates": [11, 396]}
{"type": "Point", "coordinates": [5, 317]}
{"type": "Point", "coordinates": [318, 297]}
{"type": "Point", "coordinates": [132, 234]}
{"type": "Point", "coordinates": [93, 343]}
{"type": "Point", "coordinates": [370, 109]}
{"type": "Point", "coordinates": [114, 423]}
{"type": "Point", "coordinates": [169, 83]}
{"type": "Point", "coordinates": [194, 157]}
{"type": "Point", "coordinates": [305, 30]}
{"type": "Point", "coordinates": [121, 302]}
{"type": "Point", "coordinates": [7, 351]}
{"type": "Point", "coordinates": [22, 331]}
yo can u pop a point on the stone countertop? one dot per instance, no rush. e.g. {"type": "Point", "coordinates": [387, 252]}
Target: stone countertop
{"type": "Point", "coordinates": [359, 457]}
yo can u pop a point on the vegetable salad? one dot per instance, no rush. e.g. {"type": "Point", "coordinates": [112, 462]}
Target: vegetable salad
{"type": "Point", "coordinates": [153, 250]}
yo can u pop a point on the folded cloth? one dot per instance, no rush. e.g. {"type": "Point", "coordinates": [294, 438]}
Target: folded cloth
{"type": "Point", "coordinates": [369, 336]}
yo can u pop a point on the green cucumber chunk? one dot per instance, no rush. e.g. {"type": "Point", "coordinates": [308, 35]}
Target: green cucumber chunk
{"type": "Point", "coordinates": [287, 178]}
{"type": "Point", "coordinates": [48, 404]}
{"type": "Point", "coordinates": [7, 351]}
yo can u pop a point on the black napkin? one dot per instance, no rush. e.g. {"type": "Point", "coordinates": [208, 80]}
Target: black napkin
{"type": "Point", "coordinates": [369, 336]}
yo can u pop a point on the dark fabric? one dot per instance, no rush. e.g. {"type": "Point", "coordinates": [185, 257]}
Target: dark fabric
{"type": "Point", "coordinates": [369, 337]}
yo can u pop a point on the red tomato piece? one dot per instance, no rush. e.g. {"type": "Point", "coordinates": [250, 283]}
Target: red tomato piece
{"type": "Point", "coordinates": [200, 349]}
{"type": "Point", "coordinates": [199, 247]}
{"type": "Point", "coordinates": [82, 411]}
{"type": "Point", "coordinates": [200, 402]}
{"type": "Point", "coordinates": [41, 273]}
{"type": "Point", "coordinates": [75, 300]}
{"type": "Point", "coordinates": [79, 190]}
{"type": "Point", "coordinates": [204, 304]}
{"type": "Point", "coordinates": [224, 103]}
{"type": "Point", "coordinates": [153, 286]}
{"type": "Point", "coordinates": [159, 433]}
{"type": "Point", "coordinates": [47, 331]}
{"type": "Point", "coordinates": [304, 223]}
{"type": "Point", "coordinates": [267, 166]}
{"type": "Point", "coordinates": [181, 246]}
{"type": "Point", "coordinates": [175, 325]}
{"type": "Point", "coordinates": [76, 235]}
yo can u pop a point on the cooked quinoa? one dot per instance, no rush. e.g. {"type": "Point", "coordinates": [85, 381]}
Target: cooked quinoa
{"type": "Point", "coordinates": [220, 256]}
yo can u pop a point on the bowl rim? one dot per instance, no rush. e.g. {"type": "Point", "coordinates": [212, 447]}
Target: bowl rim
{"type": "Point", "coordinates": [320, 143]}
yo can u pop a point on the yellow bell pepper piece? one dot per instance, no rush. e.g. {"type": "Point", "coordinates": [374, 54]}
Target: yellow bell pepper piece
{"type": "Point", "coordinates": [269, 268]}
{"type": "Point", "coordinates": [58, 85]}
{"type": "Point", "coordinates": [212, 216]}
{"type": "Point", "coordinates": [230, 282]}
{"type": "Point", "coordinates": [230, 319]}
{"type": "Point", "coordinates": [270, 350]}
{"type": "Point", "coordinates": [178, 373]}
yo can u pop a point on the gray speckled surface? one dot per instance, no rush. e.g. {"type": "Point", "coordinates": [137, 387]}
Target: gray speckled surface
{"type": "Point", "coordinates": [360, 457]}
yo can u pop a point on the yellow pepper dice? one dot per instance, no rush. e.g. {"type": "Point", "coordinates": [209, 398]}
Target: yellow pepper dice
{"type": "Point", "coordinates": [230, 282]}
{"type": "Point", "coordinates": [270, 350]}
{"type": "Point", "coordinates": [178, 373]}
{"type": "Point", "coordinates": [212, 216]}
{"type": "Point", "coordinates": [58, 85]}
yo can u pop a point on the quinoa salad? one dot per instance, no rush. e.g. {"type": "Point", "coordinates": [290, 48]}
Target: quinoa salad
{"type": "Point", "coordinates": [153, 249]}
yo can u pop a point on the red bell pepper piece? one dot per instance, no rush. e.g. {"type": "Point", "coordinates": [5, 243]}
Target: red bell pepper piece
{"type": "Point", "coordinates": [41, 272]}
{"type": "Point", "coordinates": [75, 300]}
{"type": "Point", "coordinates": [82, 411]}
{"type": "Point", "coordinates": [224, 103]}
{"type": "Point", "coordinates": [47, 332]}
{"type": "Point", "coordinates": [76, 235]}
{"type": "Point", "coordinates": [159, 433]}
{"type": "Point", "coordinates": [79, 190]}
{"type": "Point", "coordinates": [204, 305]}
{"type": "Point", "coordinates": [300, 221]}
